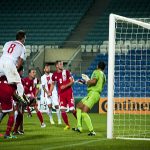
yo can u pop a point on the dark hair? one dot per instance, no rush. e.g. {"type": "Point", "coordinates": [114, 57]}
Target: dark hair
{"type": "Point", "coordinates": [101, 65]}
{"type": "Point", "coordinates": [46, 64]}
{"type": "Point", "coordinates": [29, 71]}
{"type": "Point", "coordinates": [20, 35]}
{"type": "Point", "coordinates": [57, 62]}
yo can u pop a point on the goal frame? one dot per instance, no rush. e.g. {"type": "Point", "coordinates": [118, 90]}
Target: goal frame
{"type": "Point", "coordinates": [111, 64]}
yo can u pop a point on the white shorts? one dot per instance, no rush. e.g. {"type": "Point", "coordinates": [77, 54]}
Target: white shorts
{"type": "Point", "coordinates": [52, 100]}
{"type": "Point", "coordinates": [9, 69]}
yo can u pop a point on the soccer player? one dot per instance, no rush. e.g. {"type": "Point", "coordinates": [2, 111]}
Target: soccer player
{"type": "Point", "coordinates": [46, 81]}
{"type": "Point", "coordinates": [31, 88]}
{"type": "Point", "coordinates": [19, 112]}
{"type": "Point", "coordinates": [11, 59]}
{"type": "Point", "coordinates": [6, 99]}
{"type": "Point", "coordinates": [94, 87]}
{"type": "Point", "coordinates": [64, 82]}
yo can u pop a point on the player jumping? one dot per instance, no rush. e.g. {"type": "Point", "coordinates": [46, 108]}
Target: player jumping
{"type": "Point", "coordinates": [11, 59]}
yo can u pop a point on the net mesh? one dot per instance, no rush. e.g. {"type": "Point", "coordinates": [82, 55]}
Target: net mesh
{"type": "Point", "coordinates": [132, 81]}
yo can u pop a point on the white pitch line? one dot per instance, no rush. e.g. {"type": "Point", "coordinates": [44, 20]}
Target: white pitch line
{"type": "Point", "coordinates": [70, 145]}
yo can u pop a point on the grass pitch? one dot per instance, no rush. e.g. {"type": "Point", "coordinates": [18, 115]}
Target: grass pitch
{"type": "Point", "coordinates": [53, 137]}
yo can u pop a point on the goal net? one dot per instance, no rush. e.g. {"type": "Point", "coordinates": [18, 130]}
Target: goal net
{"type": "Point", "coordinates": [128, 78]}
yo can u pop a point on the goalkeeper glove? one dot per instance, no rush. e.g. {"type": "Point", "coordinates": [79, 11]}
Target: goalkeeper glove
{"type": "Point", "coordinates": [85, 77]}
{"type": "Point", "coordinates": [81, 81]}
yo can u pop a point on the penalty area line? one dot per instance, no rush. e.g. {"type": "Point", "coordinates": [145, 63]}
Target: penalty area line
{"type": "Point", "coordinates": [77, 144]}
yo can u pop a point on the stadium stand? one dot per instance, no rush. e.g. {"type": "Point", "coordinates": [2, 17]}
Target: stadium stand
{"type": "Point", "coordinates": [50, 22]}
{"type": "Point", "coordinates": [46, 22]}
{"type": "Point", "coordinates": [98, 37]}
{"type": "Point", "coordinates": [99, 32]}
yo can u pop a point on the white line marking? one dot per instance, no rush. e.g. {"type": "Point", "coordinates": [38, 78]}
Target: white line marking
{"type": "Point", "coordinates": [81, 143]}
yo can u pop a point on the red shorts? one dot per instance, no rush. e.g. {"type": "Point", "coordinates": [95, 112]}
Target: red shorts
{"type": "Point", "coordinates": [66, 99]}
{"type": "Point", "coordinates": [6, 93]}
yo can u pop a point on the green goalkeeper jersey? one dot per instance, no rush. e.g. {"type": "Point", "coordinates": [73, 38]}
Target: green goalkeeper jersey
{"type": "Point", "coordinates": [101, 79]}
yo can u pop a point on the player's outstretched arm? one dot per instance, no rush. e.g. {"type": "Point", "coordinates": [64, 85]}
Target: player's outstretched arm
{"type": "Point", "coordinates": [19, 63]}
{"type": "Point", "coordinates": [85, 77]}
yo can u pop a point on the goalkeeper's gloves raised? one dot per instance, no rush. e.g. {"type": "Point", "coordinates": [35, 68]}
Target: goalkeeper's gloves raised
{"type": "Point", "coordinates": [85, 77]}
{"type": "Point", "coordinates": [81, 81]}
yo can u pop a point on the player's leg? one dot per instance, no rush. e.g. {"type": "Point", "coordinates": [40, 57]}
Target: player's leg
{"type": "Point", "coordinates": [58, 114]}
{"type": "Point", "coordinates": [39, 115]}
{"type": "Point", "coordinates": [15, 110]}
{"type": "Point", "coordinates": [70, 102]}
{"type": "Point", "coordinates": [21, 129]}
{"type": "Point", "coordinates": [88, 104]}
{"type": "Point", "coordinates": [49, 110]}
{"type": "Point", "coordinates": [9, 125]}
{"type": "Point", "coordinates": [13, 76]}
{"type": "Point", "coordinates": [7, 106]}
{"type": "Point", "coordinates": [63, 108]}
{"type": "Point", "coordinates": [56, 105]}
{"type": "Point", "coordinates": [29, 111]}
{"type": "Point", "coordinates": [18, 123]}
{"type": "Point", "coordinates": [79, 116]}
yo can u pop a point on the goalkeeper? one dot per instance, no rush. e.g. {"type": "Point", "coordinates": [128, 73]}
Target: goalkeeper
{"type": "Point", "coordinates": [94, 87]}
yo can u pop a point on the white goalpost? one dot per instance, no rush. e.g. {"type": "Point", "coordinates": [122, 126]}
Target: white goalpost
{"type": "Point", "coordinates": [128, 114]}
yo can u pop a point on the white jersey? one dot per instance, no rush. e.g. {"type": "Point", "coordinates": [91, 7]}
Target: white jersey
{"type": "Point", "coordinates": [46, 80]}
{"type": "Point", "coordinates": [12, 50]}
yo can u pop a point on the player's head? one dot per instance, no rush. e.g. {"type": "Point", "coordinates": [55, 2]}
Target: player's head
{"type": "Point", "coordinates": [47, 68]}
{"type": "Point", "coordinates": [32, 73]}
{"type": "Point", "coordinates": [21, 36]}
{"type": "Point", "coordinates": [59, 65]}
{"type": "Point", "coordinates": [101, 65]}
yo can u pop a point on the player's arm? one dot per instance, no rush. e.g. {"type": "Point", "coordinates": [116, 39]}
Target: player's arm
{"type": "Point", "coordinates": [46, 91]}
{"type": "Point", "coordinates": [19, 63]}
{"type": "Point", "coordinates": [68, 84]}
{"type": "Point", "coordinates": [21, 58]}
{"type": "Point", "coordinates": [92, 82]}
{"type": "Point", "coordinates": [52, 87]}
{"type": "Point", "coordinates": [37, 91]}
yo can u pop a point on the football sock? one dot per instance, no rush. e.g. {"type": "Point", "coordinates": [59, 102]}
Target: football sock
{"type": "Point", "coordinates": [65, 117]}
{"type": "Point", "coordinates": [87, 120]}
{"type": "Point", "coordinates": [79, 118]}
{"type": "Point", "coordinates": [39, 114]}
{"type": "Point", "coordinates": [50, 113]}
{"type": "Point", "coordinates": [18, 122]}
{"type": "Point", "coordinates": [9, 124]}
{"type": "Point", "coordinates": [58, 114]}
{"type": "Point", "coordinates": [21, 123]}
{"type": "Point", "coordinates": [15, 115]}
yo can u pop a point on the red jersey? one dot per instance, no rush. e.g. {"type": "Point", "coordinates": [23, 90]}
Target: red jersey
{"type": "Point", "coordinates": [6, 94]}
{"type": "Point", "coordinates": [30, 86]}
{"type": "Point", "coordinates": [62, 78]}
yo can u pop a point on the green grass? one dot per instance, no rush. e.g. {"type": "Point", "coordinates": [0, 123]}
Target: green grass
{"type": "Point", "coordinates": [54, 137]}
